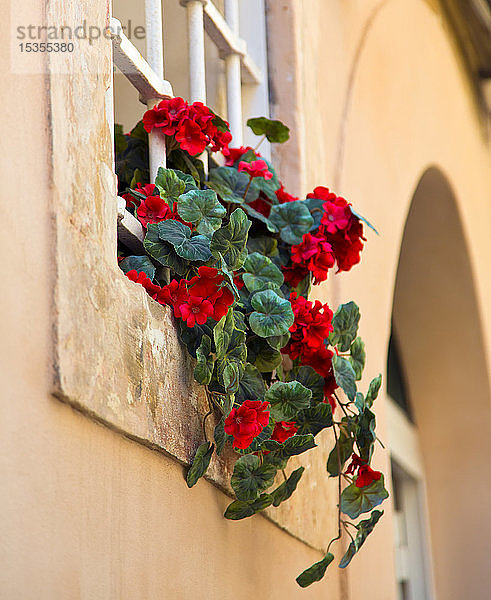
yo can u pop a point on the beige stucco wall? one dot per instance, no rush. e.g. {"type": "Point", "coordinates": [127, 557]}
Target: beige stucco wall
{"type": "Point", "coordinates": [87, 513]}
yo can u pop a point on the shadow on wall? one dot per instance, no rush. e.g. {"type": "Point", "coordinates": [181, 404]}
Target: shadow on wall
{"type": "Point", "coordinates": [436, 317]}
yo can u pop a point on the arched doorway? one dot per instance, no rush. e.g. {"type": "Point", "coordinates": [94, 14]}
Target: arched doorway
{"type": "Point", "coordinates": [439, 343]}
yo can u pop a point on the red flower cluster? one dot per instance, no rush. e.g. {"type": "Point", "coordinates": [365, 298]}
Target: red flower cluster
{"type": "Point", "coordinates": [153, 208]}
{"type": "Point", "coordinates": [148, 190]}
{"type": "Point", "coordinates": [315, 254]}
{"type": "Point", "coordinates": [256, 168]}
{"type": "Point", "coordinates": [142, 278]}
{"type": "Point", "coordinates": [232, 155]}
{"type": "Point", "coordinates": [284, 430]}
{"type": "Point", "coordinates": [191, 124]}
{"type": "Point", "coordinates": [204, 295]}
{"type": "Point", "coordinates": [340, 228]}
{"type": "Point", "coordinates": [366, 475]}
{"type": "Point", "coordinates": [246, 422]}
{"type": "Point", "coordinates": [284, 196]}
{"type": "Point", "coordinates": [311, 327]}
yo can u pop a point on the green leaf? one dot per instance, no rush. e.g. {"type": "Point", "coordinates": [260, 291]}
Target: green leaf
{"type": "Point", "coordinates": [204, 369]}
{"type": "Point", "coordinates": [251, 385]}
{"type": "Point", "coordinates": [262, 355]}
{"type": "Point", "coordinates": [278, 341]}
{"type": "Point", "coordinates": [139, 264]}
{"type": "Point", "coordinates": [188, 180]}
{"type": "Point", "coordinates": [275, 131]}
{"type": "Point", "coordinates": [250, 477]}
{"type": "Point", "coordinates": [231, 185]}
{"type": "Point", "coordinates": [261, 274]}
{"type": "Point", "coordinates": [365, 434]}
{"type": "Point", "coordinates": [231, 352]}
{"type": "Point", "coordinates": [315, 419]}
{"type": "Point", "coordinates": [363, 219]}
{"type": "Point", "coordinates": [365, 528]}
{"type": "Point", "coordinates": [194, 248]}
{"type": "Point", "coordinates": [315, 206]}
{"type": "Point", "coordinates": [265, 245]}
{"type": "Point", "coordinates": [163, 252]}
{"type": "Point", "coordinates": [251, 212]}
{"type": "Point", "coordinates": [360, 401]}
{"type": "Point", "coordinates": [240, 509]}
{"type": "Point", "coordinates": [311, 380]}
{"type": "Point", "coordinates": [373, 390]}
{"type": "Point", "coordinates": [345, 445]}
{"type": "Point", "coordinates": [291, 447]}
{"type": "Point", "coordinates": [355, 500]}
{"type": "Point", "coordinates": [316, 572]}
{"type": "Point", "coordinates": [345, 323]}
{"type": "Point", "coordinates": [191, 336]}
{"type": "Point", "coordinates": [272, 315]}
{"type": "Point", "coordinates": [286, 489]}
{"type": "Point", "coordinates": [200, 463]}
{"type": "Point", "coordinates": [357, 357]}
{"type": "Point", "coordinates": [201, 208]}
{"type": "Point", "coordinates": [287, 399]}
{"type": "Point", "coordinates": [293, 219]}
{"type": "Point", "coordinates": [170, 185]}
{"type": "Point", "coordinates": [220, 436]}
{"type": "Point", "coordinates": [344, 375]}
{"type": "Point", "coordinates": [230, 240]}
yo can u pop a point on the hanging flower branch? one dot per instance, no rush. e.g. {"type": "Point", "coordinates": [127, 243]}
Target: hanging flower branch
{"type": "Point", "coordinates": [243, 255]}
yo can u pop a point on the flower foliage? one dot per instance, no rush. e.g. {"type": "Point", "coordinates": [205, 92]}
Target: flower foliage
{"type": "Point", "coordinates": [235, 256]}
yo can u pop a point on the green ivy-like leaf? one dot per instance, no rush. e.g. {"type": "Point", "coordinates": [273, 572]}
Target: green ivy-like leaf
{"type": "Point", "coordinates": [201, 208]}
{"type": "Point", "coordinates": [188, 180]}
{"type": "Point", "coordinates": [230, 240]}
{"type": "Point", "coordinates": [294, 445]}
{"type": "Point", "coordinates": [170, 185]}
{"type": "Point", "coordinates": [231, 352]}
{"type": "Point", "coordinates": [272, 315]}
{"type": "Point", "coordinates": [311, 380]}
{"type": "Point", "coordinates": [314, 419]}
{"type": "Point", "coordinates": [261, 273]}
{"type": "Point", "coordinates": [162, 251]}
{"type": "Point", "coordinates": [275, 131]}
{"type": "Point", "coordinates": [250, 477]}
{"type": "Point", "coordinates": [231, 185]}
{"type": "Point", "coordinates": [194, 248]}
{"type": "Point", "coordinates": [357, 357]}
{"type": "Point", "coordinates": [240, 509]}
{"type": "Point", "coordinates": [355, 500]}
{"type": "Point", "coordinates": [345, 445]}
{"type": "Point", "coordinates": [286, 399]}
{"type": "Point", "coordinates": [139, 264]}
{"type": "Point", "coordinates": [286, 489]}
{"type": "Point", "coordinates": [293, 219]}
{"type": "Point", "coordinates": [365, 528]}
{"type": "Point", "coordinates": [265, 245]}
{"type": "Point", "coordinates": [278, 341]}
{"type": "Point", "coordinates": [200, 463]}
{"type": "Point", "coordinates": [345, 323]}
{"type": "Point", "coordinates": [373, 390]}
{"type": "Point", "coordinates": [220, 436]}
{"type": "Point", "coordinates": [316, 572]}
{"type": "Point", "coordinates": [251, 385]}
{"type": "Point", "coordinates": [344, 375]}
{"type": "Point", "coordinates": [365, 434]}
{"type": "Point", "coordinates": [262, 355]}
{"type": "Point", "coordinates": [204, 369]}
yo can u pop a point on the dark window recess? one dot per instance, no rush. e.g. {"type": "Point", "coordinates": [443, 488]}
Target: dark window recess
{"type": "Point", "coordinates": [396, 381]}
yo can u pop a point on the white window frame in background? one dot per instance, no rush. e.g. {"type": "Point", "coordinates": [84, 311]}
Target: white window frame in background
{"type": "Point", "coordinates": [147, 76]}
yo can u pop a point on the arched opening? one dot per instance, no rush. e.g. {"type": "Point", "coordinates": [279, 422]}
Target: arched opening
{"type": "Point", "coordinates": [439, 343]}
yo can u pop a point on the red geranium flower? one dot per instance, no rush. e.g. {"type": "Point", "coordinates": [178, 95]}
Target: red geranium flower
{"type": "Point", "coordinates": [195, 310]}
{"type": "Point", "coordinates": [142, 278]}
{"type": "Point", "coordinates": [284, 196]}
{"type": "Point", "coordinates": [294, 275]}
{"type": "Point", "coordinates": [174, 294]}
{"type": "Point", "coordinates": [322, 193]}
{"type": "Point", "coordinates": [148, 190]}
{"type": "Point", "coordinates": [210, 284]}
{"type": "Point", "coordinates": [256, 168]}
{"type": "Point", "coordinates": [320, 360]}
{"type": "Point", "coordinates": [165, 115]}
{"type": "Point", "coordinates": [284, 430]}
{"type": "Point", "coordinates": [152, 210]}
{"type": "Point", "coordinates": [316, 254]}
{"type": "Point", "coordinates": [246, 422]}
{"type": "Point", "coordinates": [191, 138]}
{"type": "Point", "coordinates": [366, 475]}
{"type": "Point", "coordinates": [232, 155]}
{"type": "Point", "coordinates": [336, 215]}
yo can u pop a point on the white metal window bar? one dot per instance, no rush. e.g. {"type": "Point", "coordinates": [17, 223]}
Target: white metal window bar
{"type": "Point", "coordinates": [147, 76]}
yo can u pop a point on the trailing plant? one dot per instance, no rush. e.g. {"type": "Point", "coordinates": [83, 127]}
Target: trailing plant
{"type": "Point", "coordinates": [235, 256]}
